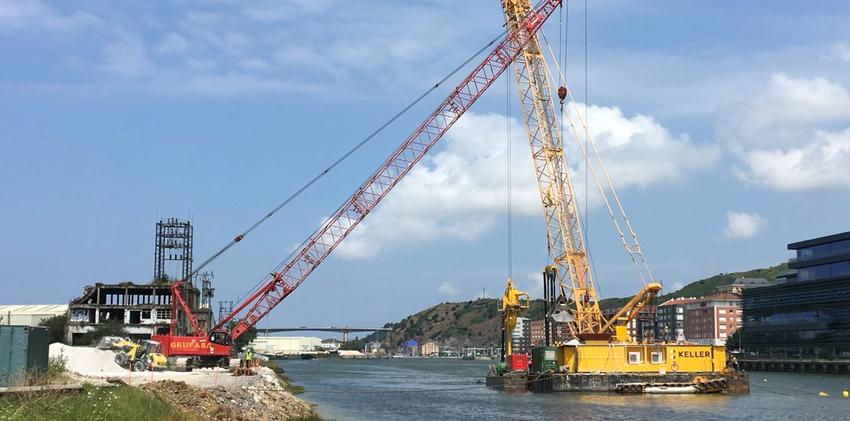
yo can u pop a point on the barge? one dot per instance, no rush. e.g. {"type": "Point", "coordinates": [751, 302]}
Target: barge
{"type": "Point", "coordinates": [625, 368]}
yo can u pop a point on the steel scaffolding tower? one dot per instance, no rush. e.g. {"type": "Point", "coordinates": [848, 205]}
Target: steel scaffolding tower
{"type": "Point", "coordinates": [173, 243]}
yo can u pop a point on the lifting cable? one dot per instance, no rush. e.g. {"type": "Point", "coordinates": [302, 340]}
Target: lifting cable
{"type": "Point", "coordinates": [338, 161]}
{"type": "Point", "coordinates": [509, 152]}
{"type": "Point", "coordinates": [587, 162]}
{"type": "Point", "coordinates": [631, 250]}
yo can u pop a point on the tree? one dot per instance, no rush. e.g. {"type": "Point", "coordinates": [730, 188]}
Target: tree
{"type": "Point", "coordinates": [55, 327]}
{"type": "Point", "coordinates": [355, 345]}
{"type": "Point", "coordinates": [161, 280]}
{"type": "Point", "coordinates": [735, 340]}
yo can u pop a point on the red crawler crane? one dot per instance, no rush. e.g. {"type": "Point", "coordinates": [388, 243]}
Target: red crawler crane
{"type": "Point", "coordinates": [214, 348]}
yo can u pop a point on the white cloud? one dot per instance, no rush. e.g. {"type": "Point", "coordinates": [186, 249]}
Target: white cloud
{"type": "Point", "coordinates": [743, 225]}
{"type": "Point", "coordinates": [457, 193]}
{"type": "Point", "coordinates": [841, 51]}
{"type": "Point", "coordinates": [460, 192]}
{"type": "Point", "coordinates": [786, 134]}
{"type": "Point", "coordinates": [448, 288]}
{"type": "Point", "coordinates": [34, 13]}
{"type": "Point", "coordinates": [277, 11]}
{"type": "Point", "coordinates": [172, 44]}
{"type": "Point", "coordinates": [638, 151]}
{"type": "Point", "coordinates": [127, 57]}
{"type": "Point", "coordinates": [819, 163]}
{"type": "Point", "coordinates": [236, 84]}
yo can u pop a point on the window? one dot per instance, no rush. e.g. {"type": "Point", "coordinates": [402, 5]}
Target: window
{"type": "Point", "coordinates": [722, 327]}
{"type": "Point", "coordinates": [822, 250]}
{"type": "Point", "coordinates": [656, 357]}
{"type": "Point", "coordinates": [722, 311]}
{"type": "Point", "coordinates": [634, 358]}
{"type": "Point", "coordinates": [722, 319]}
{"type": "Point", "coordinates": [722, 334]}
{"type": "Point", "coordinates": [829, 270]}
{"type": "Point", "coordinates": [163, 314]}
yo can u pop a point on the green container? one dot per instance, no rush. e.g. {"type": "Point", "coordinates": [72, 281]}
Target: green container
{"type": "Point", "coordinates": [23, 349]}
{"type": "Point", "coordinates": [544, 358]}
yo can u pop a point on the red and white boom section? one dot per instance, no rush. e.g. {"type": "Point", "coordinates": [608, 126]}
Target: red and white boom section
{"type": "Point", "coordinates": [321, 243]}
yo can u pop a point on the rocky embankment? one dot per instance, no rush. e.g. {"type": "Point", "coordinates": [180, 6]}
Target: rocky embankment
{"type": "Point", "coordinates": [204, 394]}
{"type": "Point", "coordinates": [263, 397]}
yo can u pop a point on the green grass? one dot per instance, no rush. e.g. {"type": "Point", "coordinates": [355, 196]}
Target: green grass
{"type": "Point", "coordinates": [92, 404]}
{"type": "Point", "coordinates": [703, 287]}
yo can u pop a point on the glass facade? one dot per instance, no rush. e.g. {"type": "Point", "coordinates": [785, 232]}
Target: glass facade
{"type": "Point", "coordinates": [808, 317]}
{"type": "Point", "coordinates": [828, 270]}
{"type": "Point", "coordinates": [824, 250]}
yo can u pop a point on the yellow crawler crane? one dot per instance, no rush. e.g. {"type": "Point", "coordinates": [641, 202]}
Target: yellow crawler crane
{"type": "Point", "coordinates": [600, 345]}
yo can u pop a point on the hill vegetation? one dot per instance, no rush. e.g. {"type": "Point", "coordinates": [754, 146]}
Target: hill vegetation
{"type": "Point", "coordinates": [477, 323]}
{"type": "Point", "coordinates": [705, 286]}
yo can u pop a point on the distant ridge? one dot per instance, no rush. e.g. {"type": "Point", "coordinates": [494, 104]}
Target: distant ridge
{"type": "Point", "coordinates": [476, 323]}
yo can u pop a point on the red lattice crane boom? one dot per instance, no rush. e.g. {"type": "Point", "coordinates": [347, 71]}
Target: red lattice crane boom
{"type": "Point", "coordinates": [281, 283]}
{"type": "Point", "coordinates": [214, 348]}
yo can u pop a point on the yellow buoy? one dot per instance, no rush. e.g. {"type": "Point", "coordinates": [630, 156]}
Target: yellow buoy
{"type": "Point", "coordinates": [823, 394]}
{"type": "Point", "coordinates": [845, 394]}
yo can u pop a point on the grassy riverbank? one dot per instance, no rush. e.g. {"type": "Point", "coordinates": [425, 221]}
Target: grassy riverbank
{"type": "Point", "coordinates": [93, 403]}
{"type": "Point", "coordinates": [261, 396]}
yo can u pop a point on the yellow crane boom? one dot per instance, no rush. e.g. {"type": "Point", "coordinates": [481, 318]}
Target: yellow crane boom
{"type": "Point", "coordinates": [564, 232]}
{"type": "Point", "coordinates": [566, 241]}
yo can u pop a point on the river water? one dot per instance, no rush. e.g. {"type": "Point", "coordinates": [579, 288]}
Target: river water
{"type": "Point", "coordinates": [451, 389]}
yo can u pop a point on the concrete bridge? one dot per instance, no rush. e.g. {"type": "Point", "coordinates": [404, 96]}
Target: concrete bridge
{"type": "Point", "coordinates": [345, 330]}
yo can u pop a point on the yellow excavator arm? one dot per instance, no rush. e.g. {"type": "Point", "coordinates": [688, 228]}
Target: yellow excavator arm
{"type": "Point", "coordinates": [629, 311]}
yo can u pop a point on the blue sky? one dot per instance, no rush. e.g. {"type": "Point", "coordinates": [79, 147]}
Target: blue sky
{"type": "Point", "coordinates": [726, 127]}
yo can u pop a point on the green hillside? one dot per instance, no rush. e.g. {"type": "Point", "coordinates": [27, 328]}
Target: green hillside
{"type": "Point", "coordinates": [705, 286]}
{"type": "Point", "coordinates": [477, 323]}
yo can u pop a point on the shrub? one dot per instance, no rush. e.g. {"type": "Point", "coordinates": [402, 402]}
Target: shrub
{"type": "Point", "coordinates": [113, 328]}
{"type": "Point", "coordinates": [55, 328]}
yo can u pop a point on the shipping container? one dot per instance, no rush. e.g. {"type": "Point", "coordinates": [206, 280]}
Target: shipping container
{"type": "Point", "coordinates": [544, 358]}
{"type": "Point", "coordinates": [23, 350]}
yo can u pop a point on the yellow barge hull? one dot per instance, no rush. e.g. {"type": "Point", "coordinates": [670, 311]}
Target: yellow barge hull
{"type": "Point", "coordinates": [641, 358]}
{"type": "Point", "coordinates": [604, 367]}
